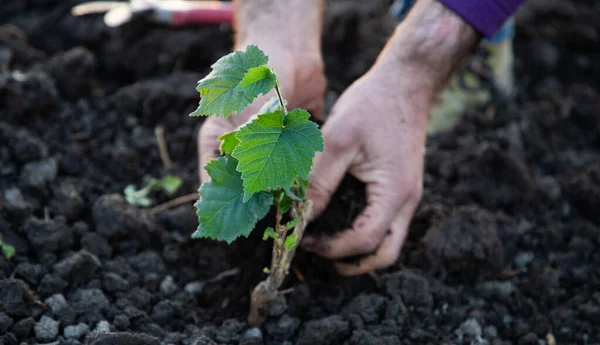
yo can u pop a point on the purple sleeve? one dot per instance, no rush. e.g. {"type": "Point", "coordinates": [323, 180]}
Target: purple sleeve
{"type": "Point", "coordinates": [487, 16]}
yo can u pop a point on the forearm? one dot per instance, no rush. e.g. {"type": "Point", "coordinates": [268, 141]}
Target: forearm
{"type": "Point", "coordinates": [428, 46]}
{"type": "Point", "coordinates": [295, 24]}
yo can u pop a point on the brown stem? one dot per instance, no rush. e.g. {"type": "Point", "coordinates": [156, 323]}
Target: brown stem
{"type": "Point", "coordinates": [281, 230]}
{"type": "Point", "coordinates": [281, 102]}
{"type": "Point", "coordinates": [174, 202]}
{"type": "Point", "coordinates": [161, 142]}
{"type": "Point", "coordinates": [268, 290]}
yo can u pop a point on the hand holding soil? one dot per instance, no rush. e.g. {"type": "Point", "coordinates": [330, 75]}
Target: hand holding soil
{"type": "Point", "coordinates": [504, 250]}
{"type": "Point", "coordinates": [376, 132]}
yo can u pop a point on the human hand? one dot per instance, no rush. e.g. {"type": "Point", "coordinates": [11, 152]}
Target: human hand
{"type": "Point", "coordinates": [376, 132]}
{"type": "Point", "coordinates": [302, 81]}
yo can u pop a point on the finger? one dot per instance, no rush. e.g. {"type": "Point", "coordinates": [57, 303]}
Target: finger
{"type": "Point", "coordinates": [208, 144]}
{"type": "Point", "coordinates": [386, 254]}
{"type": "Point", "coordinates": [309, 91]}
{"type": "Point", "coordinates": [329, 168]}
{"type": "Point", "coordinates": [315, 105]}
{"type": "Point", "coordinates": [213, 127]}
{"type": "Point", "coordinates": [369, 228]}
{"type": "Point", "coordinates": [315, 108]}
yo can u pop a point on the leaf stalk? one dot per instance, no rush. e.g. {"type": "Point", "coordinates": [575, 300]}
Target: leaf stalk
{"type": "Point", "coordinates": [281, 102]}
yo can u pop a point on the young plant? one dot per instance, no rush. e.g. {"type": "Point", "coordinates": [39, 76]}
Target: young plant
{"type": "Point", "coordinates": [264, 163]}
{"type": "Point", "coordinates": [168, 185]}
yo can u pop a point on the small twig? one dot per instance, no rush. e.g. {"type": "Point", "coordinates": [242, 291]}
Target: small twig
{"type": "Point", "coordinates": [375, 277]}
{"type": "Point", "coordinates": [225, 274]}
{"type": "Point", "coordinates": [225, 303]}
{"type": "Point", "coordinates": [81, 136]}
{"type": "Point", "coordinates": [281, 102]}
{"type": "Point", "coordinates": [159, 132]}
{"type": "Point", "coordinates": [506, 274]}
{"type": "Point", "coordinates": [46, 213]}
{"type": "Point", "coordinates": [287, 291]}
{"type": "Point", "coordinates": [8, 29]}
{"type": "Point", "coordinates": [174, 203]}
{"type": "Point", "coordinates": [299, 274]}
{"type": "Point", "coordinates": [16, 39]}
{"type": "Point", "coordinates": [550, 338]}
{"type": "Point", "coordinates": [40, 304]}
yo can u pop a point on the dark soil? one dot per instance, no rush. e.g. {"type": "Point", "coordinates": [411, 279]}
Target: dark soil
{"type": "Point", "coordinates": [504, 248]}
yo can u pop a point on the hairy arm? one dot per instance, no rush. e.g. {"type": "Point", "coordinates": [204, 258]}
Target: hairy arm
{"type": "Point", "coordinates": [432, 42]}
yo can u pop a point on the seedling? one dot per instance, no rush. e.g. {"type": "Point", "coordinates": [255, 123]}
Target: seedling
{"type": "Point", "coordinates": [7, 250]}
{"type": "Point", "coordinates": [264, 163]}
{"type": "Point", "coordinates": [168, 185]}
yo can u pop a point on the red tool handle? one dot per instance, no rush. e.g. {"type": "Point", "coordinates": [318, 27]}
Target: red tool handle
{"type": "Point", "coordinates": [202, 12]}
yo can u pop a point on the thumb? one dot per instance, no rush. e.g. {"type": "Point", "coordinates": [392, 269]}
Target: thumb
{"type": "Point", "coordinates": [208, 143]}
{"type": "Point", "coordinates": [329, 168]}
{"type": "Point", "coordinates": [215, 126]}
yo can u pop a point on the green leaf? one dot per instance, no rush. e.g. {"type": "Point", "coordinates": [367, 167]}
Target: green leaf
{"type": "Point", "coordinates": [258, 80]}
{"type": "Point", "coordinates": [270, 233]}
{"type": "Point", "coordinates": [290, 242]}
{"type": "Point", "coordinates": [228, 142]}
{"type": "Point", "coordinates": [222, 213]}
{"type": "Point", "coordinates": [153, 183]}
{"type": "Point", "coordinates": [220, 89]}
{"type": "Point", "coordinates": [7, 250]}
{"type": "Point", "coordinates": [283, 201]}
{"type": "Point", "coordinates": [266, 270]}
{"type": "Point", "coordinates": [285, 204]}
{"type": "Point", "coordinates": [302, 186]}
{"type": "Point", "coordinates": [274, 149]}
{"type": "Point", "coordinates": [170, 184]}
{"type": "Point", "coordinates": [292, 223]}
{"type": "Point", "coordinates": [137, 197]}
{"type": "Point", "coordinates": [292, 195]}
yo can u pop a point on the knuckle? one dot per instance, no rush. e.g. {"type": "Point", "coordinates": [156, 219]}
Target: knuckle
{"type": "Point", "coordinates": [311, 70]}
{"type": "Point", "coordinates": [314, 65]}
{"type": "Point", "coordinates": [318, 188]}
{"type": "Point", "coordinates": [338, 143]}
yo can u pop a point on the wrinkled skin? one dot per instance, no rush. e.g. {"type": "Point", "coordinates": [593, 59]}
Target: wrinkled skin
{"type": "Point", "coordinates": [376, 132]}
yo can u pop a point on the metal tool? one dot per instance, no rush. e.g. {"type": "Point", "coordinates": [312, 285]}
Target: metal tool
{"type": "Point", "coordinates": [171, 12]}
